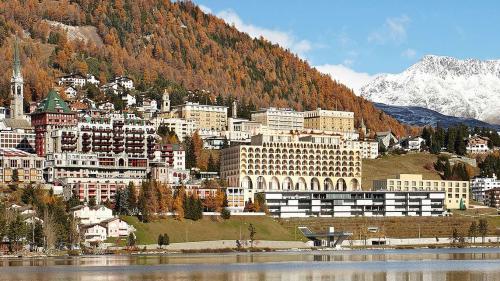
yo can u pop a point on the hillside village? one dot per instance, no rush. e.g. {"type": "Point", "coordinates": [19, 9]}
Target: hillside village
{"type": "Point", "coordinates": [77, 165]}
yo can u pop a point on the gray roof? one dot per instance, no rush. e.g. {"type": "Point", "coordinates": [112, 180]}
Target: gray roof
{"type": "Point", "coordinates": [17, 124]}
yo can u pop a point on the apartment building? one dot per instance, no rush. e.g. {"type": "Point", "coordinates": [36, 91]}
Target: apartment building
{"type": "Point", "coordinates": [241, 130]}
{"type": "Point", "coordinates": [329, 120]}
{"type": "Point", "coordinates": [457, 192]}
{"type": "Point", "coordinates": [100, 189]}
{"type": "Point", "coordinates": [280, 119]}
{"type": "Point", "coordinates": [117, 136]}
{"type": "Point", "coordinates": [27, 167]}
{"type": "Point", "coordinates": [18, 139]}
{"type": "Point", "coordinates": [182, 128]}
{"type": "Point", "coordinates": [208, 117]}
{"type": "Point", "coordinates": [479, 186]}
{"type": "Point", "coordinates": [292, 162]}
{"type": "Point", "coordinates": [354, 203]}
{"type": "Point", "coordinates": [492, 198]}
{"type": "Point", "coordinates": [368, 148]}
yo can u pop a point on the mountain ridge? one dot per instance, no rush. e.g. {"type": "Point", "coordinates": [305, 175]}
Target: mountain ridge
{"type": "Point", "coordinates": [444, 84]}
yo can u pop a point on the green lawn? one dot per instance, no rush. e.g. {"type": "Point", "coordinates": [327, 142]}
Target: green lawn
{"type": "Point", "coordinates": [391, 165]}
{"type": "Point", "coordinates": [208, 229]}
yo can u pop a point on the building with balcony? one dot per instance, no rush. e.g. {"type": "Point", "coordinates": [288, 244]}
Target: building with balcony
{"type": "Point", "coordinates": [477, 145]}
{"type": "Point", "coordinates": [492, 198]}
{"type": "Point", "coordinates": [292, 162]}
{"type": "Point", "coordinates": [51, 114]}
{"type": "Point", "coordinates": [479, 186]}
{"type": "Point", "coordinates": [117, 136]}
{"type": "Point", "coordinates": [291, 204]}
{"type": "Point", "coordinates": [457, 192]}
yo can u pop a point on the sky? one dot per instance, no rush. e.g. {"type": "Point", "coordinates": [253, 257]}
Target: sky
{"type": "Point", "coordinates": [354, 41]}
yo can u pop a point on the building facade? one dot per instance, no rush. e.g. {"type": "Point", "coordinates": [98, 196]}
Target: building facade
{"type": "Point", "coordinates": [353, 204]}
{"type": "Point", "coordinates": [280, 119]}
{"type": "Point", "coordinates": [329, 120]}
{"type": "Point", "coordinates": [292, 162]}
{"type": "Point", "coordinates": [492, 198]}
{"type": "Point", "coordinates": [208, 117]}
{"type": "Point", "coordinates": [477, 145]}
{"type": "Point", "coordinates": [18, 139]}
{"type": "Point", "coordinates": [368, 148]}
{"type": "Point", "coordinates": [479, 186]}
{"type": "Point", "coordinates": [51, 114]}
{"type": "Point", "coordinates": [457, 192]}
{"type": "Point", "coordinates": [182, 128]}
{"type": "Point", "coordinates": [26, 167]}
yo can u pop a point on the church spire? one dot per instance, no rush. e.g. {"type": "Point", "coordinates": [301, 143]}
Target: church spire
{"type": "Point", "coordinates": [16, 86]}
{"type": "Point", "coordinates": [16, 70]}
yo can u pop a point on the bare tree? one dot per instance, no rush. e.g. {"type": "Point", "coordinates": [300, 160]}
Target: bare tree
{"type": "Point", "coordinates": [49, 231]}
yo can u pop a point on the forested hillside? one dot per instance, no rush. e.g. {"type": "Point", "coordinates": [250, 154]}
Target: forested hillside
{"type": "Point", "coordinates": [160, 44]}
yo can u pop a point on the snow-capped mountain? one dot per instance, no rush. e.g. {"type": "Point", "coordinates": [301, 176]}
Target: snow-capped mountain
{"type": "Point", "coordinates": [463, 88]}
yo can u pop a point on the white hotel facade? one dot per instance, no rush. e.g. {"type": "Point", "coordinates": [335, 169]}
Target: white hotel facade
{"type": "Point", "coordinates": [292, 162]}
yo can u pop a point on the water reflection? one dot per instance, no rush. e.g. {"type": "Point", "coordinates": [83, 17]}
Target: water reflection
{"type": "Point", "coordinates": [421, 265]}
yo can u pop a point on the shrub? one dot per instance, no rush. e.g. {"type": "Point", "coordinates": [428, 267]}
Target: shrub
{"type": "Point", "coordinates": [225, 214]}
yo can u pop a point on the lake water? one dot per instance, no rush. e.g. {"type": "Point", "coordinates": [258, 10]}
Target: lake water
{"type": "Point", "coordinates": [365, 265]}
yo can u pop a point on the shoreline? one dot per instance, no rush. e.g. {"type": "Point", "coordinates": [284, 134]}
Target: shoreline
{"type": "Point", "coordinates": [255, 250]}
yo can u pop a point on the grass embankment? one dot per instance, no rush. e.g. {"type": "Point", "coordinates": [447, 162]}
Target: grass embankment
{"type": "Point", "coordinates": [401, 227]}
{"type": "Point", "coordinates": [209, 228]}
{"type": "Point", "coordinates": [389, 166]}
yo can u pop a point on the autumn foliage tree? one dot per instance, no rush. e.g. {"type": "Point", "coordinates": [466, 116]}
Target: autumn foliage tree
{"type": "Point", "coordinates": [158, 41]}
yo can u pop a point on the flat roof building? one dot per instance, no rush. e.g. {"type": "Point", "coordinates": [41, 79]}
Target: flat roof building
{"type": "Point", "coordinates": [329, 120]}
{"type": "Point", "coordinates": [354, 203]}
{"type": "Point", "coordinates": [280, 119]}
{"type": "Point", "coordinates": [457, 192]}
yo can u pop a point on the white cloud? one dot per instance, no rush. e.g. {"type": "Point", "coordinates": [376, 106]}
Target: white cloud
{"type": "Point", "coordinates": [205, 9]}
{"type": "Point", "coordinates": [409, 53]}
{"type": "Point", "coordinates": [393, 30]}
{"type": "Point", "coordinates": [284, 39]}
{"type": "Point", "coordinates": [345, 75]}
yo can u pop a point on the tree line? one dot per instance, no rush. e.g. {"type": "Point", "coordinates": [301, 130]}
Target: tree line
{"type": "Point", "coordinates": [154, 199]}
{"type": "Point", "coordinates": [454, 139]}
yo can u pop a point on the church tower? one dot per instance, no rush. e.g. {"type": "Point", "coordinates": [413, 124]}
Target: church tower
{"type": "Point", "coordinates": [363, 127]}
{"type": "Point", "coordinates": [16, 86]}
{"type": "Point", "coordinates": [165, 102]}
{"type": "Point", "coordinates": [235, 110]}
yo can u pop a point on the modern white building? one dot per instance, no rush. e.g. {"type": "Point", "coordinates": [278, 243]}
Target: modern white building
{"type": "Point", "coordinates": [280, 119]}
{"type": "Point", "coordinates": [368, 148]}
{"type": "Point", "coordinates": [479, 186]}
{"type": "Point", "coordinates": [90, 215]}
{"type": "Point", "coordinates": [289, 204]}
{"type": "Point", "coordinates": [182, 128]}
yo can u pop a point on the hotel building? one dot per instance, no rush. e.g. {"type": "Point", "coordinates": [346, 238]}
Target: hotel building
{"type": "Point", "coordinates": [292, 162]}
{"type": "Point", "coordinates": [280, 119]}
{"type": "Point", "coordinates": [329, 120]}
{"type": "Point", "coordinates": [457, 192]}
{"type": "Point", "coordinates": [207, 117]}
